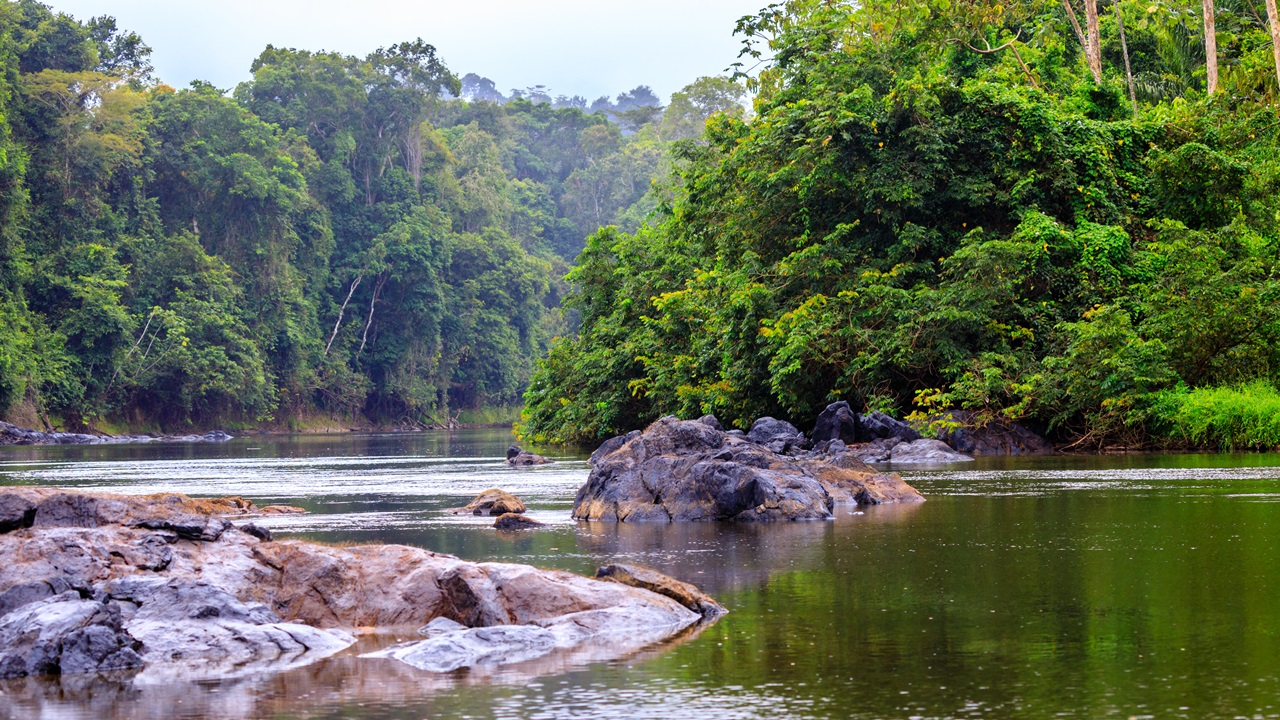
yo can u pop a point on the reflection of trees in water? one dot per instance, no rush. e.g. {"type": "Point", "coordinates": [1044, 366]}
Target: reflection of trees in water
{"type": "Point", "coordinates": [327, 688]}
{"type": "Point", "coordinates": [728, 557]}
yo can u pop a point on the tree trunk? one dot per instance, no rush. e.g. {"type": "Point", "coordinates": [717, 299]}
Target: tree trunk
{"type": "Point", "coordinates": [1128, 69]}
{"type": "Point", "coordinates": [1211, 46]}
{"type": "Point", "coordinates": [1095, 39]}
{"type": "Point", "coordinates": [1087, 40]}
{"type": "Point", "coordinates": [343, 311]}
{"type": "Point", "coordinates": [1274, 17]}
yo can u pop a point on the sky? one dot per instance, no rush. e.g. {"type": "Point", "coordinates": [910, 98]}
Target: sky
{"type": "Point", "coordinates": [575, 47]}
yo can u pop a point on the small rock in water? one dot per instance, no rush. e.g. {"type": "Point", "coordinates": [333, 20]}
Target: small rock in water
{"type": "Point", "coordinates": [925, 451]}
{"type": "Point", "coordinates": [492, 502]}
{"type": "Point", "coordinates": [516, 521]}
{"type": "Point", "coordinates": [654, 581]}
{"type": "Point", "coordinates": [519, 457]}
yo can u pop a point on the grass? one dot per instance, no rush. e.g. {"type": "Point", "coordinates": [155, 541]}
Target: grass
{"type": "Point", "coordinates": [1242, 417]}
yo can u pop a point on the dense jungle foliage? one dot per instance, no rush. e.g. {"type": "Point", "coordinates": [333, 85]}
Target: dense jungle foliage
{"type": "Point", "coordinates": [339, 237]}
{"type": "Point", "coordinates": [939, 205]}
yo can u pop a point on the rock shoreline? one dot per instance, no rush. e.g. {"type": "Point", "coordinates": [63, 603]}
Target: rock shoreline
{"type": "Point", "coordinates": [11, 434]}
{"type": "Point", "coordinates": [169, 586]}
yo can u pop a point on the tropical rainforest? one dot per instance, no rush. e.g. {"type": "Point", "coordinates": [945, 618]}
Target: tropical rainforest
{"type": "Point", "coordinates": [1062, 214]}
{"type": "Point", "coordinates": [370, 239]}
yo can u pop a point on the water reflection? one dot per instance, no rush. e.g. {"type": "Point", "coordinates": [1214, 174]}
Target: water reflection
{"type": "Point", "coordinates": [1076, 587]}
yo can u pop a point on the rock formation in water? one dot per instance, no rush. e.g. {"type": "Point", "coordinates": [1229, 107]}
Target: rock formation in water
{"type": "Point", "coordinates": [519, 457]}
{"type": "Point", "coordinates": [96, 582]}
{"type": "Point", "coordinates": [516, 521]}
{"type": "Point", "coordinates": [691, 470]}
{"type": "Point", "coordinates": [993, 438]}
{"type": "Point", "coordinates": [492, 502]}
{"type": "Point", "coordinates": [13, 435]}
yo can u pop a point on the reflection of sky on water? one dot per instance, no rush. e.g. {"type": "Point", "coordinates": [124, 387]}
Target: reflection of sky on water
{"type": "Point", "coordinates": [1077, 587]}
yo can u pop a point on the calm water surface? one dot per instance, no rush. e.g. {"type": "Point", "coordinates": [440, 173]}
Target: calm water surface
{"type": "Point", "coordinates": [1140, 586]}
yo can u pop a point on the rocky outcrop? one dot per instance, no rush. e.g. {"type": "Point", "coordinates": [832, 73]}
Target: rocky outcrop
{"type": "Point", "coordinates": [777, 435]}
{"type": "Point", "coordinates": [925, 451]}
{"type": "Point", "coordinates": [492, 502]}
{"type": "Point", "coordinates": [519, 457]}
{"type": "Point", "coordinates": [689, 470]}
{"type": "Point", "coordinates": [993, 438]}
{"type": "Point", "coordinates": [96, 582]}
{"type": "Point", "coordinates": [13, 435]}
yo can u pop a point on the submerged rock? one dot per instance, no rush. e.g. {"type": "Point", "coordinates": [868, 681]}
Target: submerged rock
{"type": "Point", "coordinates": [515, 521]}
{"type": "Point", "coordinates": [688, 470]}
{"type": "Point", "coordinates": [519, 457]}
{"type": "Point", "coordinates": [95, 582]}
{"type": "Point", "coordinates": [492, 502]}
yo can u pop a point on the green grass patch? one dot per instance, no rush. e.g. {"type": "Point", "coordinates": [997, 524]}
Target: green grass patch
{"type": "Point", "coordinates": [1241, 417]}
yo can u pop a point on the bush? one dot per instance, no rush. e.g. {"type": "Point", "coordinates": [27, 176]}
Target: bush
{"type": "Point", "coordinates": [1228, 418]}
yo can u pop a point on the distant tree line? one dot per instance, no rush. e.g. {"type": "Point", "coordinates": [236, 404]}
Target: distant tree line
{"type": "Point", "coordinates": [340, 235]}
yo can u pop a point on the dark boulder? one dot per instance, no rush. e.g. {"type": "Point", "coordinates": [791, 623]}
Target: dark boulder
{"type": "Point", "coordinates": [837, 422]}
{"type": "Point", "coordinates": [519, 457]}
{"type": "Point", "coordinates": [779, 436]}
{"type": "Point", "coordinates": [614, 443]}
{"type": "Point", "coordinates": [878, 425]}
{"type": "Point", "coordinates": [687, 470]}
{"type": "Point", "coordinates": [992, 438]}
{"type": "Point", "coordinates": [925, 451]}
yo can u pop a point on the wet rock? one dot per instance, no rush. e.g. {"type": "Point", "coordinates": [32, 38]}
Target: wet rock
{"type": "Point", "coordinates": [516, 521]}
{"type": "Point", "coordinates": [878, 425]}
{"type": "Point", "coordinates": [65, 634]}
{"type": "Point", "coordinates": [878, 450]}
{"type": "Point", "coordinates": [519, 457]}
{"type": "Point", "coordinates": [13, 435]}
{"type": "Point", "coordinates": [679, 470]}
{"type": "Point", "coordinates": [492, 502]}
{"type": "Point", "coordinates": [925, 451]}
{"type": "Point", "coordinates": [282, 510]}
{"type": "Point", "coordinates": [852, 482]}
{"type": "Point", "coordinates": [777, 435]}
{"type": "Point", "coordinates": [654, 581]}
{"type": "Point", "coordinates": [837, 422]}
{"type": "Point", "coordinates": [993, 438]}
{"type": "Point", "coordinates": [201, 607]}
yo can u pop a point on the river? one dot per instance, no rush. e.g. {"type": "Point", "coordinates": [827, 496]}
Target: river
{"type": "Point", "coordinates": [1079, 587]}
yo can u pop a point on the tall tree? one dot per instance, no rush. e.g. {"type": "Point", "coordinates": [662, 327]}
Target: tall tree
{"type": "Point", "coordinates": [1210, 46]}
{"type": "Point", "coordinates": [1088, 36]}
{"type": "Point", "coordinates": [1274, 18]}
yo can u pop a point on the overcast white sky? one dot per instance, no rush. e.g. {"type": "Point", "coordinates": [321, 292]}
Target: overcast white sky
{"type": "Point", "coordinates": [576, 47]}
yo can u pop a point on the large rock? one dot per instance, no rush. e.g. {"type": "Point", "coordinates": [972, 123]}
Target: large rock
{"type": "Point", "coordinates": [993, 438]}
{"type": "Point", "coordinates": [779, 436]}
{"type": "Point", "coordinates": [837, 422]}
{"type": "Point", "coordinates": [14, 435]}
{"type": "Point", "coordinates": [116, 582]}
{"type": "Point", "coordinates": [650, 579]}
{"type": "Point", "coordinates": [688, 470]}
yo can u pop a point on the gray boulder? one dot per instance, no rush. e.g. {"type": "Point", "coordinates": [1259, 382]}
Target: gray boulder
{"type": "Point", "coordinates": [925, 451]}
{"type": "Point", "coordinates": [779, 436]}
{"type": "Point", "coordinates": [519, 457]}
{"type": "Point", "coordinates": [687, 470]}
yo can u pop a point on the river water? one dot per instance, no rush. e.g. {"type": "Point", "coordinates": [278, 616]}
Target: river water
{"type": "Point", "coordinates": [1082, 587]}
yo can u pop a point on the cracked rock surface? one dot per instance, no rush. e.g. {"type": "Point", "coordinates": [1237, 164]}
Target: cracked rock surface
{"type": "Point", "coordinates": [169, 586]}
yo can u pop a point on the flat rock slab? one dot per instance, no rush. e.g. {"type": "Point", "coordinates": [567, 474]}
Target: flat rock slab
{"type": "Point", "coordinates": [96, 582]}
{"type": "Point", "coordinates": [691, 470]}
